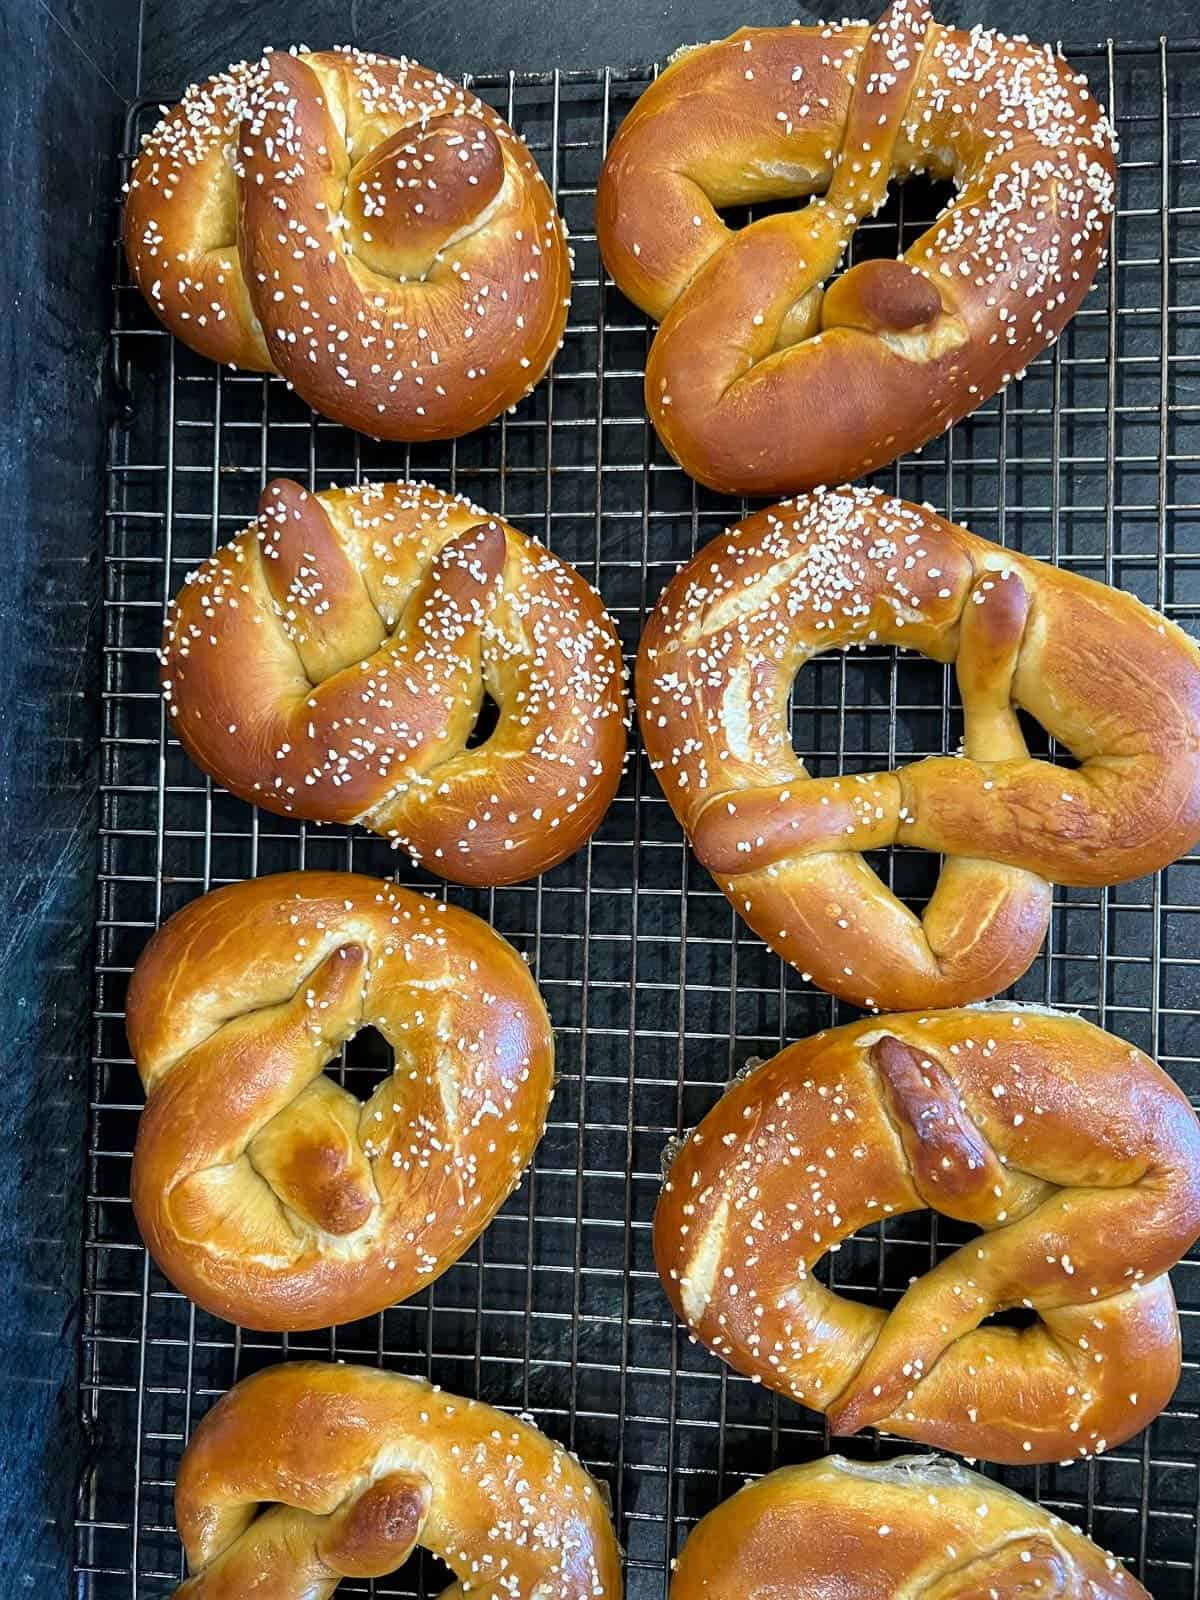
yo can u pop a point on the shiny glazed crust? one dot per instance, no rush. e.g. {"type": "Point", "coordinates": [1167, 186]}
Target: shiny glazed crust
{"type": "Point", "coordinates": [369, 230]}
{"type": "Point", "coordinates": [1075, 1155]}
{"type": "Point", "coordinates": [330, 663]}
{"type": "Point", "coordinates": [266, 1191]}
{"type": "Point", "coordinates": [916, 1528]}
{"type": "Point", "coordinates": [1115, 683]}
{"type": "Point", "coordinates": [760, 380]}
{"type": "Point", "coordinates": [356, 1467]}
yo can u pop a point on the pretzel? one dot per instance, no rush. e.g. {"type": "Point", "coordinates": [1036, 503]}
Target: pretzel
{"type": "Point", "coordinates": [358, 1467]}
{"type": "Point", "coordinates": [369, 230]}
{"type": "Point", "coordinates": [265, 1190]}
{"type": "Point", "coordinates": [917, 1526]}
{"type": "Point", "coordinates": [760, 381]}
{"type": "Point", "coordinates": [331, 661]}
{"type": "Point", "coordinates": [1073, 1152]}
{"type": "Point", "coordinates": [1114, 682]}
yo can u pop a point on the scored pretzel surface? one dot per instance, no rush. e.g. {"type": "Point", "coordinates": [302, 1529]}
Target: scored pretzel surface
{"type": "Point", "coordinates": [371, 231]}
{"type": "Point", "coordinates": [265, 1190]}
{"type": "Point", "coordinates": [308, 1473]}
{"type": "Point", "coordinates": [914, 1528]}
{"type": "Point", "coordinates": [1114, 682]}
{"type": "Point", "coordinates": [330, 663]}
{"type": "Point", "coordinates": [1073, 1152]}
{"type": "Point", "coordinates": [760, 380]}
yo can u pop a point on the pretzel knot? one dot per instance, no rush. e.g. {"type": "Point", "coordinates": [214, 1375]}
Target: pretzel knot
{"type": "Point", "coordinates": [918, 1526]}
{"type": "Point", "coordinates": [760, 380]}
{"type": "Point", "coordinates": [266, 1191]}
{"type": "Point", "coordinates": [1111, 680]}
{"type": "Point", "coordinates": [1074, 1153]}
{"type": "Point", "coordinates": [362, 226]}
{"type": "Point", "coordinates": [357, 1467]}
{"type": "Point", "coordinates": [331, 662]}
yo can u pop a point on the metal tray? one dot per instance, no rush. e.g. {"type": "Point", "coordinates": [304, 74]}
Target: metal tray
{"type": "Point", "coordinates": [659, 993]}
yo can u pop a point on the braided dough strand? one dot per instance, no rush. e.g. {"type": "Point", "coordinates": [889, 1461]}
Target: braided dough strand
{"type": "Point", "coordinates": [760, 380]}
{"type": "Point", "coordinates": [357, 1468]}
{"type": "Point", "coordinates": [1075, 1155]}
{"type": "Point", "coordinates": [331, 662]}
{"type": "Point", "coordinates": [1115, 683]}
{"type": "Point", "coordinates": [266, 1191]}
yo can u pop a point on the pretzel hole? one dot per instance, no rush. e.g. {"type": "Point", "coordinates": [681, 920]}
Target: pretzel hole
{"type": "Point", "coordinates": [913, 204]}
{"type": "Point", "coordinates": [365, 1060]}
{"type": "Point", "coordinates": [485, 722]}
{"type": "Point", "coordinates": [877, 1264]}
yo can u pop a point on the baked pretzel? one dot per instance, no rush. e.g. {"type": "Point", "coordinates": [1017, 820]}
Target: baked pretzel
{"type": "Point", "coordinates": [760, 381]}
{"type": "Point", "coordinates": [362, 226]}
{"type": "Point", "coordinates": [331, 661]}
{"type": "Point", "coordinates": [1114, 682]}
{"type": "Point", "coordinates": [1073, 1152]}
{"type": "Point", "coordinates": [265, 1190]}
{"type": "Point", "coordinates": [358, 1468]}
{"type": "Point", "coordinates": [916, 1528]}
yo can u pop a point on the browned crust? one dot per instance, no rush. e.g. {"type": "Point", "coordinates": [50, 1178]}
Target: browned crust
{"type": "Point", "coordinates": [751, 398]}
{"type": "Point", "coordinates": [246, 230]}
{"type": "Point", "coordinates": [330, 661]}
{"type": "Point", "coordinates": [1115, 683]}
{"type": "Point", "coordinates": [1092, 1161]}
{"type": "Point", "coordinates": [236, 1005]}
{"type": "Point", "coordinates": [855, 1530]}
{"type": "Point", "coordinates": [354, 1464]}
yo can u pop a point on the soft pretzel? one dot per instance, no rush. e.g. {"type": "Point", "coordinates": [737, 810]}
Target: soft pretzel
{"type": "Point", "coordinates": [357, 1468]}
{"type": "Point", "coordinates": [331, 661]}
{"type": "Point", "coordinates": [1114, 682]}
{"type": "Point", "coordinates": [1073, 1152]}
{"type": "Point", "coordinates": [916, 1528]}
{"type": "Point", "coordinates": [759, 380]}
{"type": "Point", "coordinates": [364, 227]}
{"type": "Point", "coordinates": [265, 1190]}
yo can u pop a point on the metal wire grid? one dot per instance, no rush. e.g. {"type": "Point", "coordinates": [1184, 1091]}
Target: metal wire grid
{"type": "Point", "coordinates": [657, 990]}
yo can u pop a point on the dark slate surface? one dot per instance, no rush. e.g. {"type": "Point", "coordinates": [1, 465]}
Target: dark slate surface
{"type": "Point", "coordinates": [182, 41]}
{"type": "Point", "coordinates": [61, 89]}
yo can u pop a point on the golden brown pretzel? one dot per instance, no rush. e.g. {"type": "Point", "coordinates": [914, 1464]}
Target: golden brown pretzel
{"type": "Point", "coordinates": [330, 663]}
{"type": "Point", "coordinates": [761, 382]}
{"type": "Point", "coordinates": [1114, 682]}
{"type": "Point", "coordinates": [364, 227]}
{"type": "Point", "coordinates": [357, 1468]}
{"type": "Point", "coordinates": [264, 1190]}
{"type": "Point", "coordinates": [1073, 1152]}
{"type": "Point", "coordinates": [916, 1528]}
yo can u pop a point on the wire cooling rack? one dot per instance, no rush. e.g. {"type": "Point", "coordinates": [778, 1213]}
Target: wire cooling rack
{"type": "Point", "coordinates": [658, 991]}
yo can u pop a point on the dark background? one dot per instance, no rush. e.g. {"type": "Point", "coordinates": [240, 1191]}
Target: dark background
{"type": "Point", "coordinates": [67, 68]}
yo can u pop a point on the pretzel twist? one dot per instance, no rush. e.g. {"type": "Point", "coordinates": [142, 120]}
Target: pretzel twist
{"type": "Point", "coordinates": [1114, 682]}
{"type": "Point", "coordinates": [760, 381]}
{"type": "Point", "coordinates": [266, 1191]}
{"type": "Point", "coordinates": [915, 1528]}
{"type": "Point", "coordinates": [331, 661]}
{"type": "Point", "coordinates": [358, 1467]}
{"type": "Point", "coordinates": [362, 226]}
{"type": "Point", "coordinates": [1074, 1153]}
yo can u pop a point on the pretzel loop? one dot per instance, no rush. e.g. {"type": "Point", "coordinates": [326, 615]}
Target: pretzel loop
{"type": "Point", "coordinates": [1075, 1155]}
{"type": "Point", "coordinates": [761, 380]}
{"type": "Point", "coordinates": [1114, 683]}
{"type": "Point", "coordinates": [356, 1467]}
{"type": "Point", "coordinates": [360, 225]}
{"type": "Point", "coordinates": [332, 661]}
{"type": "Point", "coordinates": [266, 1190]}
{"type": "Point", "coordinates": [918, 1526]}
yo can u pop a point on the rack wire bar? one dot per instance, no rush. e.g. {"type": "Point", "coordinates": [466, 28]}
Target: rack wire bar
{"type": "Point", "coordinates": [658, 991]}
